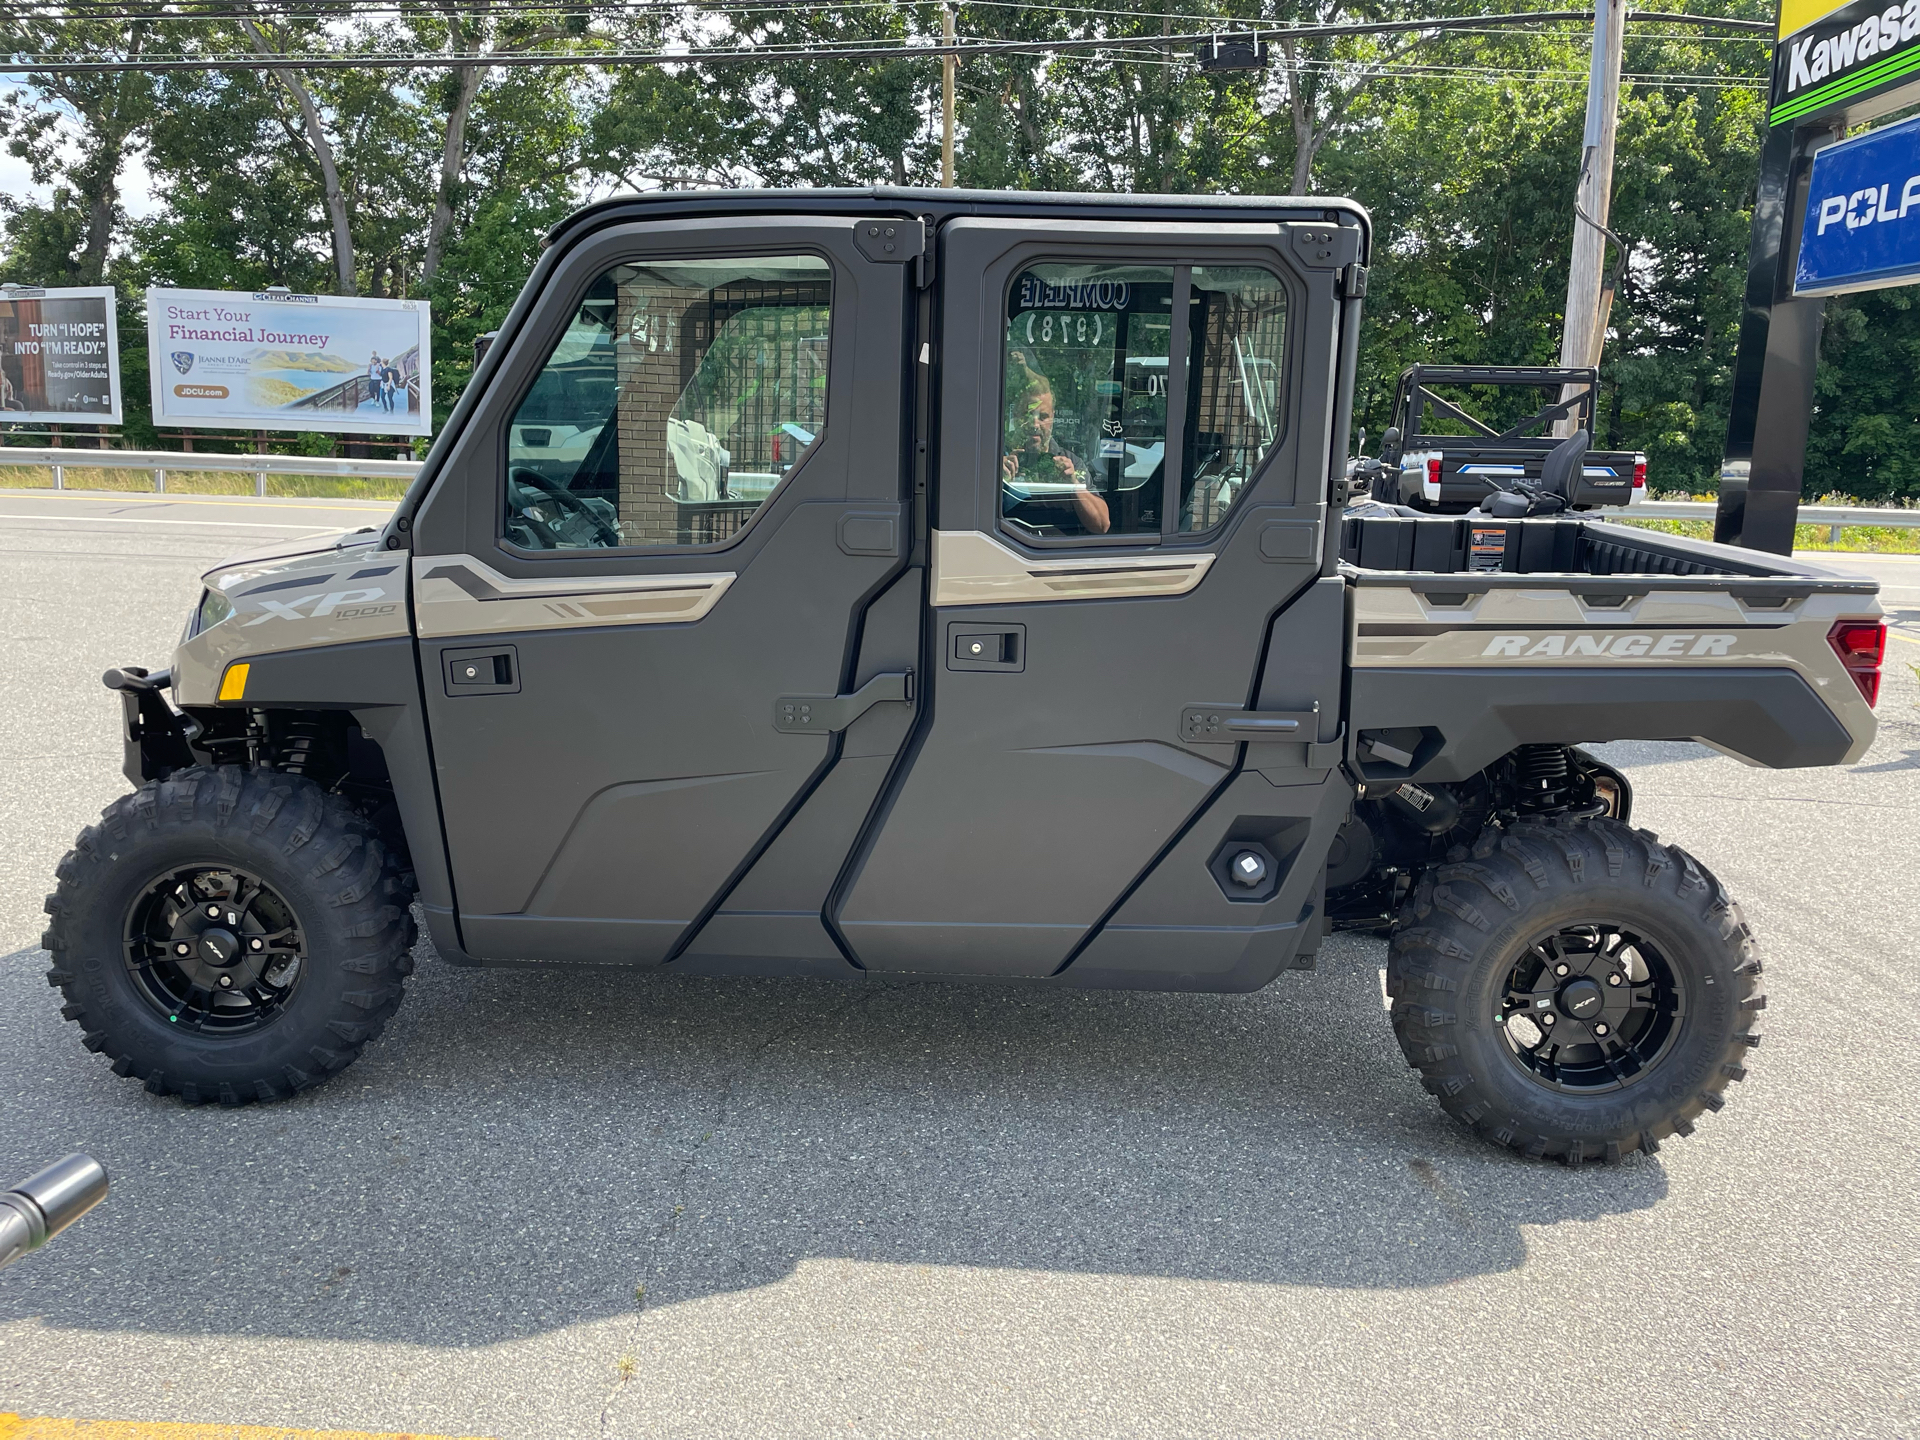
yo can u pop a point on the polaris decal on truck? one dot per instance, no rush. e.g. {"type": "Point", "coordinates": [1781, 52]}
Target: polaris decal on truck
{"type": "Point", "coordinates": [1619, 647]}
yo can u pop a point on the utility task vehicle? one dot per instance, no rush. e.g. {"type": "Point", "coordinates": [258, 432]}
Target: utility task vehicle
{"type": "Point", "coordinates": [1490, 430]}
{"type": "Point", "coordinates": [900, 582]}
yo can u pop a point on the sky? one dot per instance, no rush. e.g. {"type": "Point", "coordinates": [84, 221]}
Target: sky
{"type": "Point", "coordinates": [136, 185]}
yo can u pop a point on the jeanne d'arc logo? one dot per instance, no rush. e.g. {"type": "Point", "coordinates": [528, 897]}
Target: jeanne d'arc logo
{"type": "Point", "coordinates": [183, 360]}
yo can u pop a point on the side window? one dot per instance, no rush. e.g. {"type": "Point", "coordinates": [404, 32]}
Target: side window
{"type": "Point", "coordinates": [1085, 442]}
{"type": "Point", "coordinates": [1238, 338]}
{"type": "Point", "coordinates": [679, 396]}
{"type": "Point", "coordinates": [1094, 369]}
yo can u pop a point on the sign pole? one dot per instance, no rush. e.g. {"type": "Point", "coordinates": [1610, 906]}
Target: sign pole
{"type": "Point", "coordinates": [1779, 355]}
{"type": "Point", "coordinates": [1834, 66]}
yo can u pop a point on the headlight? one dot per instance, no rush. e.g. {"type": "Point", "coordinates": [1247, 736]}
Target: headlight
{"type": "Point", "coordinates": [214, 607]}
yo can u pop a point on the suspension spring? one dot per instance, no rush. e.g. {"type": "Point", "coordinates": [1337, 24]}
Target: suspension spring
{"type": "Point", "coordinates": [303, 750]}
{"type": "Point", "coordinates": [1543, 774]}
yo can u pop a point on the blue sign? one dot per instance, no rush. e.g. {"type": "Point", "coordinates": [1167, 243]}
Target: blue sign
{"type": "Point", "coordinates": [1862, 229]}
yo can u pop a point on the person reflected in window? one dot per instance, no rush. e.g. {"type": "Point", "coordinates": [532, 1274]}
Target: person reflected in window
{"type": "Point", "coordinates": [1031, 453]}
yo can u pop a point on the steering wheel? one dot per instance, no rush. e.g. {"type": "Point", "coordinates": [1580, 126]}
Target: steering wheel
{"type": "Point", "coordinates": [568, 501]}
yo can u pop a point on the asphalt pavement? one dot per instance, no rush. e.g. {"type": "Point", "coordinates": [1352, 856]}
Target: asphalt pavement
{"type": "Point", "coordinates": [572, 1204]}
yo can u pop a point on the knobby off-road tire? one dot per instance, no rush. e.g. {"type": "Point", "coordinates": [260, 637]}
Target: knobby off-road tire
{"type": "Point", "coordinates": [1483, 937]}
{"type": "Point", "coordinates": [310, 890]}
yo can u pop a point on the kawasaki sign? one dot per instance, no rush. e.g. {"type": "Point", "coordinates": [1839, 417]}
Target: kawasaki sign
{"type": "Point", "coordinates": [1861, 48]}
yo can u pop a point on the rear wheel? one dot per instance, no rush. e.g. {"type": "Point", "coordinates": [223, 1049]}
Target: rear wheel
{"type": "Point", "coordinates": [229, 935]}
{"type": "Point", "coordinates": [1573, 988]}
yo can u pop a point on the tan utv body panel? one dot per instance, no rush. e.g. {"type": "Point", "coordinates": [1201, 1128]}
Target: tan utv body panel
{"type": "Point", "coordinates": [1395, 627]}
{"type": "Point", "coordinates": [460, 595]}
{"type": "Point", "coordinates": [970, 567]}
{"type": "Point", "coordinates": [298, 595]}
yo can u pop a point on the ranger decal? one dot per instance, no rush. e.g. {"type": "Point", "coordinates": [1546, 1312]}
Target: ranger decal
{"type": "Point", "coordinates": [1621, 647]}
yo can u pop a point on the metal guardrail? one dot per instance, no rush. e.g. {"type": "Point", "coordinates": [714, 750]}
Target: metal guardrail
{"type": "Point", "coordinates": [1835, 517]}
{"type": "Point", "coordinates": [159, 462]}
{"type": "Point", "coordinates": [60, 459]}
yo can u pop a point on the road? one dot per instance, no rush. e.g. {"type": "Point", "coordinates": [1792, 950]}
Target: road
{"type": "Point", "coordinates": [583, 1204]}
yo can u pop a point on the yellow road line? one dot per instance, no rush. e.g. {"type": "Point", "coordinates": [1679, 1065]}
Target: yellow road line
{"type": "Point", "coordinates": [1910, 639]}
{"type": "Point", "coordinates": [144, 497]}
{"type": "Point", "coordinates": [42, 1427]}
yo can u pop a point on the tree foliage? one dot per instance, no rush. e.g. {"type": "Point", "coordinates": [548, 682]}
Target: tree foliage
{"type": "Point", "coordinates": [439, 183]}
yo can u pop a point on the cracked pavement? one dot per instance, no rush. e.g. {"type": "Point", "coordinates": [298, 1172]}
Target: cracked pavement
{"type": "Point", "coordinates": [589, 1203]}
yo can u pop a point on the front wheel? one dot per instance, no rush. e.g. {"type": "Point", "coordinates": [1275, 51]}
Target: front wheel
{"type": "Point", "coordinates": [229, 935]}
{"type": "Point", "coordinates": [1573, 988]}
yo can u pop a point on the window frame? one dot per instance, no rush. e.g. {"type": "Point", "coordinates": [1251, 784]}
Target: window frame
{"type": "Point", "coordinates": [503, 441]}
{"type": "Point", "coordinates": [1179, 346]}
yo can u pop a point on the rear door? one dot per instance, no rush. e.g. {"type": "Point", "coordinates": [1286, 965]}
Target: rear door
{"type": "Point", "coordinates": [1133, 446]}
{"type": "Point", "coordinates": [642, 576]}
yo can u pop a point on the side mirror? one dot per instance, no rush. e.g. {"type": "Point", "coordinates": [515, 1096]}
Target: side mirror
{"type": "Point", "coordinates": [1390, 446]}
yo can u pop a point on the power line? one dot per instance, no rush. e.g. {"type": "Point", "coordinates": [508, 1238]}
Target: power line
{"type": "Point", "coordinates": [55, 64]}
{"type": "Point", "coordinates": [351, 9]}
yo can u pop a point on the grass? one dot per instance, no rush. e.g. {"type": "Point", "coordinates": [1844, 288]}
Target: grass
{"type": "Point", "coordinates": [1854, 539]}
{"type": "Point", "coordinates": [205, 482]}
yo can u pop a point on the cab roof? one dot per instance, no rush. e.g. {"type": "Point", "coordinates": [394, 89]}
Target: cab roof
{"type": "Point", "coordinates": [938, 206]}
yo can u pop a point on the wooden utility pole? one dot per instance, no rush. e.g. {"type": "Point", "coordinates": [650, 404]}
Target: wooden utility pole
{"type": "Point", "coordinates": [947, 64]}
{"type": "Point", "coordinates": [1585, 325]}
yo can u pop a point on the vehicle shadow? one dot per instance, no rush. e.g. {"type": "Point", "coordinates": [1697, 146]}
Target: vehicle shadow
{"type": "Point", "coordinates": [529, 1150]}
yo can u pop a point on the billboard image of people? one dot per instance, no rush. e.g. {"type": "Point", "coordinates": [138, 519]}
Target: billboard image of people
{"type": "Point", "coordinates": [59, 356]}
{"type": "Point", "coordinates": [277, 361]}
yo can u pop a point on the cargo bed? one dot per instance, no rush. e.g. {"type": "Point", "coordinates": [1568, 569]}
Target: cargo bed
{"type": "Point", "coordinates": [1468, 636]}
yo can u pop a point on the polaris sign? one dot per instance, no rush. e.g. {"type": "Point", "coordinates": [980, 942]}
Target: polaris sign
{"type": "Point", "coordinates": [1862, 226]}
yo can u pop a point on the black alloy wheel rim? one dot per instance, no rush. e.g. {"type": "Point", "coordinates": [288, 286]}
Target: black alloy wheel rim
{"type": "Point", "coordinates": [1590, 1007]}
{"type": "Point", "coordinates": [214, 950]}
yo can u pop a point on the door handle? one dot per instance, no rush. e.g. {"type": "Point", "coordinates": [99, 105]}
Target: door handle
{"type": "Point", "coordinates": [823, 714]}
{"type": "Point", "coordinates": [972, 645]}
{"type": "Point", "coordinates": [494, 670]}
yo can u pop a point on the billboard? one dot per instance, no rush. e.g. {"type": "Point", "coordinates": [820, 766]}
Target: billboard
{"type": "Point", "coordinates": [59, 356]}
{"type": "Point", "coordinates": [1862, 226]}
{"type": "Point", "coordinates": [275, 361]}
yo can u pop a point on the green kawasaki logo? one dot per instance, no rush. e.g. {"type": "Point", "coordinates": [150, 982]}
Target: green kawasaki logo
{"type": "Point", "coordinates": [1822, 67]}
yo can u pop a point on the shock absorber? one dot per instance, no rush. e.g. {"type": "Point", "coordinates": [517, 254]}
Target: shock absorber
{"type": "Point", "coordinates": [1543, 774]}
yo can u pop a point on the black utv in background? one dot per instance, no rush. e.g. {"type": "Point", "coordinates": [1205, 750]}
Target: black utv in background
{"type": "Point", "coordinates": [912, 583]}
{"type": "Point", "coordinates": [1491, 430]}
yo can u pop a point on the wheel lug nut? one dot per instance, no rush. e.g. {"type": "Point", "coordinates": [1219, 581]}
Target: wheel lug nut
{"type": "Point", "coordinates": [1559, 969]}
{"type": "Point", "coordinates": [1613, 979]}
{"type": "Point", "coordinates": [226, 982]}
{"type": "Point", "coordinates": [257, 944]}
{"type": "Point", "coordinates": [1601, 1028]}
{"type": "Point", "coordinates": [213, 912]}
{"type": "Point", "coordinates": [183, 948]}
{"type": "Point", "coordinates": [1546, 1019]}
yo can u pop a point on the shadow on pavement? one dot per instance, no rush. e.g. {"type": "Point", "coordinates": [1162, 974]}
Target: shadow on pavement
{"type": "Point", "coordinates": [525, 1149]}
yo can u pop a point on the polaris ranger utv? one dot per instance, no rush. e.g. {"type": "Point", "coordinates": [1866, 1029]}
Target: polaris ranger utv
{"type": "Point", "coordinates": [896, 582]}
{"type": "Point", "coordinates": [1439, 456]}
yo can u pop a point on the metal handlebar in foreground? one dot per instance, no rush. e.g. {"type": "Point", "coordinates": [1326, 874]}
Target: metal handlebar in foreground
{"type": "Point", "coordinates": [39, 1208]}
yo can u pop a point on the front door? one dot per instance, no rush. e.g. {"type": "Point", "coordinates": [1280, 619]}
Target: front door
{"type": "Point", "coordinates": [662, 523]}
{"type": "Point", "coordinates": [1135, 432]}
